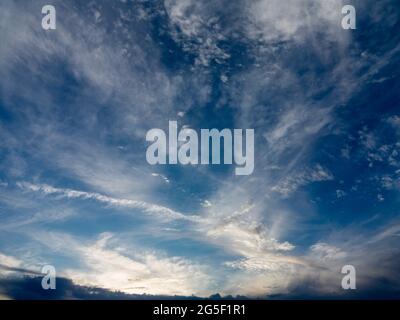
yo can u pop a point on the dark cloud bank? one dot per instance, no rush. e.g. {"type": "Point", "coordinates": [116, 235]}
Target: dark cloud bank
{"type": "Point", "coordinates": [29, 288]}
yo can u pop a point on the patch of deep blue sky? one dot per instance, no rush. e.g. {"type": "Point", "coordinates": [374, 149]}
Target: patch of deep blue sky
{"type": "Point", "coordinates": [367, 111]}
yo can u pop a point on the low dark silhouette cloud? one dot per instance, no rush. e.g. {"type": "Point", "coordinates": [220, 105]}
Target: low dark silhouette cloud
{"type": "Point", "coordinates": [29, 288]}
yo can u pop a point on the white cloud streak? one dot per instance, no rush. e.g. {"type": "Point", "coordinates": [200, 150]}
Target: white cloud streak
{"type": "Point", "coordinates": [152, 209]}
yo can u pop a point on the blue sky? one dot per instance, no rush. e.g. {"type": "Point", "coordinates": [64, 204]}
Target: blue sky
{"type": "Point", "coordinates": [76, 191]}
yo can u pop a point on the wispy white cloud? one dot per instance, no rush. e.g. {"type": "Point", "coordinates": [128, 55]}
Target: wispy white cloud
{"type": "Point", "coordinates": [340, 193]}
{"type": "Point", "coordinates": [323, 251]}
{"type": "Point", "coordinates": [104, 263]}
{"type": "Point", "coordinates": [275, 20]}
{"type": "Point", "coordinates": [9, 262]}
{"type": "Point", "coordinates": [198, 30]}
{"type": "Point", "coordinates": [394, 121]}
{"type": "Point", "coordinates": [153, 209]}
{"type": "Point", "coordinates": [290, 184]}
